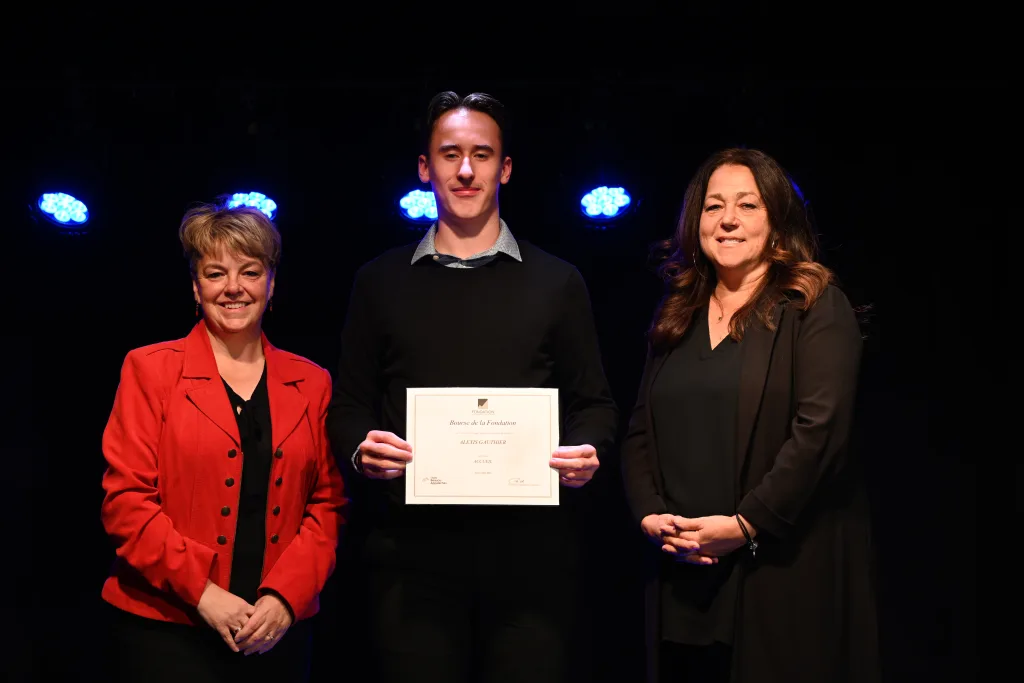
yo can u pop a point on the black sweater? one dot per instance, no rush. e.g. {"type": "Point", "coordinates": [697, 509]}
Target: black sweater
{"type": "Point", "coordinates": [503, 324]}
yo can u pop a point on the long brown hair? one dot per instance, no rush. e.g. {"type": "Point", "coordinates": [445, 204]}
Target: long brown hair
{"type": "Point", "coordinates": [791, 249]}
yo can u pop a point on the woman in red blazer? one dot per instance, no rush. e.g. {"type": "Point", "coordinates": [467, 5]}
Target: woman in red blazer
{"type": "Point", "coordinates": [222, 496]}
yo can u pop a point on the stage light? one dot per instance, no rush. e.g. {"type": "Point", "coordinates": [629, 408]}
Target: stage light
{"type": "Point", "coordinates": [63, 209]}
{"type": "Point", "coordinates": [256, 200]}
{"type": "Point", "coordinates": [419, 206]}
{"type": "Point", "coordinates": [605, 203]}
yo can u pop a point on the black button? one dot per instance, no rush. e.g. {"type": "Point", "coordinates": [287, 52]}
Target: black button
{"type": "Point", "coordinates": [277, 482]}
{"type": "Point", "coordinates": [225, 511]}
{"type": "Point", "coordinates": [277, 510]}
{"type": "Point", "coordinates": [229, 481]}
{"type": "Point", "coordinates": [278, 454]}
{"type": "Point", "coordinates": [222, 539]}
{"type": "Point", "coordinates": [232, 453]}
{"type": "Point", "coordinates": [273, 539]}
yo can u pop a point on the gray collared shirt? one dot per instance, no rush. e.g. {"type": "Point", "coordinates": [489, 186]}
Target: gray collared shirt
{"type": "Point", "coordinates": [506, 244]}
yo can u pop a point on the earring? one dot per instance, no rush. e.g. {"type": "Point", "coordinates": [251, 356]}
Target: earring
{"type": "Point", "coordinates": [197, 309]}
{"type": "Point", "coordinates": [695, 263]}
{"type": "Point", "coordinates": [271, 303]}
{"type": "Point", "coordinates": [775, 241]}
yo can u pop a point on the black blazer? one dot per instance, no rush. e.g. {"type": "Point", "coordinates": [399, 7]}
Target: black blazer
{"type": "Point", "coordinates": [806, 604]}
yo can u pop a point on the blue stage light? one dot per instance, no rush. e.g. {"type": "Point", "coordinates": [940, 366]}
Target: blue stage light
{"type": "Point", "coordinates": [605, 203]}
{"type": "Point", "coordinates": [256, 200]}
{"type": "Point", "coordinates": [419, 206]}
{"type": "Point", "coordinates": [63, 209]}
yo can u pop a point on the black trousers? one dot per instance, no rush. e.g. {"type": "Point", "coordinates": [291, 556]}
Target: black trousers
{"type": "Point", "coordinates": [694, 663]}
{"type": "Point", "coordinates": [495, 608]}
{"type": "Point", "coordinates": [150, 651]}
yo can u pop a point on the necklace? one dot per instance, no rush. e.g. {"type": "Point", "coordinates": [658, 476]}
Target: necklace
{"type": "Point", "coordinates": [721, 309]}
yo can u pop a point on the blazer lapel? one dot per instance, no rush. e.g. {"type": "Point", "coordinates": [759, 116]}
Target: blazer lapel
{"type": "Point", "coordinates": [652, 443]}
{"type": "Point", "coordinates": [287, 404]}
{"type": "Point", "coordinates": [212, 400]}
{"type": "Point", "coordinates": [756, 355]}
{"type": "Point", "coordinates": [207, 392]}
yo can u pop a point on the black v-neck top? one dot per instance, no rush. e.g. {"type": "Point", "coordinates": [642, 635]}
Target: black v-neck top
{"type": "Point", "coordinates": [694, 402]}
{"type": "Point", "coordinates": [253, 417]}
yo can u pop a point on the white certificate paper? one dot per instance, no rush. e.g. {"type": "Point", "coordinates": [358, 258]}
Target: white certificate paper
{"type": "Point", "coordinates": [481, 446]}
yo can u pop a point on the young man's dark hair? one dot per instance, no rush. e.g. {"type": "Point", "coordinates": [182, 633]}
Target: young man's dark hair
{"type": "Point", "coordinates": [444, 102]}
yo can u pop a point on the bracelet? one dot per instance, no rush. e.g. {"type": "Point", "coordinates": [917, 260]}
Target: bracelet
{"type": "Point", "coordinates": [751, 543]}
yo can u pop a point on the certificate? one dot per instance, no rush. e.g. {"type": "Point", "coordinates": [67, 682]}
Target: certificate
{"type": "Point", "coordinates": [481, 446]}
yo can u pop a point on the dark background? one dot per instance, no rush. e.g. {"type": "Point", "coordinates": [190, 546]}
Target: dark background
{"type": "Point", "coordinates": [878, 160]}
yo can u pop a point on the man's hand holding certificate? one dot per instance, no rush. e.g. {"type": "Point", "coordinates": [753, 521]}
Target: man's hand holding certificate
{"type": "Point", "coordinates": [383, 455]}
{"type": "Point", "coordinates": [576, 464]}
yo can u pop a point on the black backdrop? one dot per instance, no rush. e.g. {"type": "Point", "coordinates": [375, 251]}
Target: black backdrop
{"type": "Point", "coordinates": [336, 153]}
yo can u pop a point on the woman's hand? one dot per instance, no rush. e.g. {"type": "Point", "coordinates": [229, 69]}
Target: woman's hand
{"type": "Point", "coordinates": [225, 612]}
{"type": "Point", "coordinates": [662, 530]}
{"type": "Point", "coordinates": [266, 626]}
{"type": "Point", "coordinates": [717, 535]}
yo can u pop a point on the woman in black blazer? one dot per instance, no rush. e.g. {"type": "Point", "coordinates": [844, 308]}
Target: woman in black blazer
{"type": "Point", "coordinates": [736, 463]}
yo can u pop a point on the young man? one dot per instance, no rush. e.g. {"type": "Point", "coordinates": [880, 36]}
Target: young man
{"type": "Point", "coordinates": [469, 593]}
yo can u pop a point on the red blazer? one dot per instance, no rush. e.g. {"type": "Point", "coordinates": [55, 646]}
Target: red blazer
{"type": "Point", "coordinates": [174, 466]}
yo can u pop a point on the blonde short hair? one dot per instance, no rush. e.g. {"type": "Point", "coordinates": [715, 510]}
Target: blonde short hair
{"type": "Point", "coordinates": [207, 228]}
